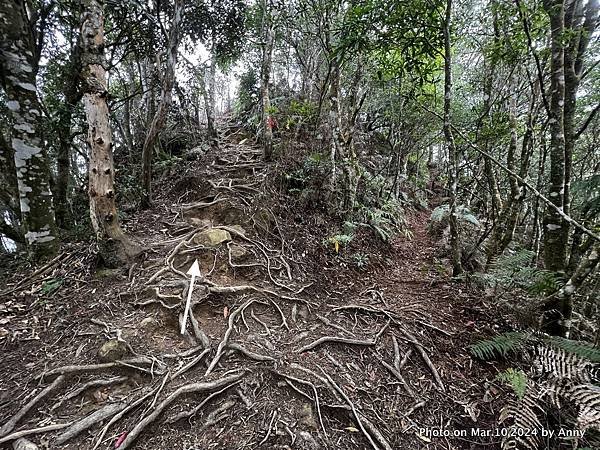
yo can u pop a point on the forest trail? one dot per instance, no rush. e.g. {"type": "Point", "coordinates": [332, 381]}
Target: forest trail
{"type": "Point", "coordinates": [287, 346]}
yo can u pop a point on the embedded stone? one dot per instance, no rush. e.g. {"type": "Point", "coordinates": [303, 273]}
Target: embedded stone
{"type": "Point", "coordinates": [212, 237]}
{"type": "Point", "coordinates": [238, 252]}
{"type": "Point", "coordinates": [112, 350]}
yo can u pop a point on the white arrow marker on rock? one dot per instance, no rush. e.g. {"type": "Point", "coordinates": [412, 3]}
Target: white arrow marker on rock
{"type": "Point", "coordinates": [194, 271]}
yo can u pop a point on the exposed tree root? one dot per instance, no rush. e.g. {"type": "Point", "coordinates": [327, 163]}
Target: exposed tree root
{"type": "Point", "coordinates": [133, 363]}
{"type": "Point", "coordinates": [22, 433]}
{"type": "Point", "coordinates": [224, 342]}
{"type": "Point", "coordinates": [10, 424]}
{"type": "Point", "coordinates": [250, 354]}
{"type": "Point", "coordinates": [89, 385]}
{"type": "Point", "coordinates": [425, 357]}
{"type": "Point", "coordinates": [195, 409]}
{"type": "Point", "coordinates": [343, 340]}
{"type": "Point", "coordinates": [359, 419]}
{"type": "Point", "coordinates": [89, 421]}
{"type": "Point", "coordinates": [183, 390]}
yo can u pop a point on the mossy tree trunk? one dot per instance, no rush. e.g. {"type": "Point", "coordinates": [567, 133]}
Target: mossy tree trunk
{"type": "Point", "coordinates": [572, 25]}
{"type": "Point", "coordinates": [267, 121]}
{"type": "Point", "coordinates": [452, 150]}
{"type": "Point", "coordinates": [18, 60]}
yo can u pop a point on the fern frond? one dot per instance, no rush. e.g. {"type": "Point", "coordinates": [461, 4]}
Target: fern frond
{"type": "Point", "coordinates": [523, 415]}
{"type": "Point", "coordinates": [552, 362]}
{"type": "Point", "coordinates": [586, 397]}
{"type": "Point", "coordinates": [500, 345]}
{"type": "Point", "coordinates": [578, 348]}
{"type": "Point", "coordinates": [516, 379]}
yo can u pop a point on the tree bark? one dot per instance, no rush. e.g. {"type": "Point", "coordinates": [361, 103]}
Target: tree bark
{"type": "Point", "coordinates": [559, 306]}
{"type": "Point", "coordinates": [210, 96]}
{"type": "Point", "coordinates": [115, 248]}
{"type": "Point", "coordinates": [452, 151]}
{"type": "Point", "coordinates": [158, 122]}
{"type": "Point", "coordinates": [72, 95]}
{"type": "Point", "coordinates": [18, 73]}
{"type": "Point", "coordinates": [555, 228]}
{"type": "Point", "coordinates": [267, 120]}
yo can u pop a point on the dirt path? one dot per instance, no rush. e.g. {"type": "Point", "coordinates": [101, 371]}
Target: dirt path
{"type": "Point", "coordinates": [287, 347]}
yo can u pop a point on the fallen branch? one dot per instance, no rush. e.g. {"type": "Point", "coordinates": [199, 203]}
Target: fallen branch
{"type": "Point", "coordinates": [10, 424]}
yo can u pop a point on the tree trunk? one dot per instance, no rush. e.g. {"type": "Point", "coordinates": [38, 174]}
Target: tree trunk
{"type": "Point", "coordinates": [267, 121]}
{"type": "Point", "coordinates": [559, 307]}
{"type": "Point", "coordinates": [210, 97]}
{"type": "Point", "coordinates": [566, 70]}
{"type": "Point", "coordinates": [555, 228]}
{"type": "Point", "coordinates": [114, 246]}
{"type": "Point", "coordinates": [72, 95]}
{"type": "Point", "coordinates": [160, 117]}
{"type": "Point", "coordinates": [19, 70]}
{"type": "Point", "coordinates": [452, 151]}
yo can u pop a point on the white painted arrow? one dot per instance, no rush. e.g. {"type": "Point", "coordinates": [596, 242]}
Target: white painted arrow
{"type": "Point", "coordinates": [194, 271]}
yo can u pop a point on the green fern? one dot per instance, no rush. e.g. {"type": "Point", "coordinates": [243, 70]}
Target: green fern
{"type": "Point", "coordinates": [513, 270]}
{"type": "Point", "coordinates": [560, 377]}
{"type": "Point", "coordinates": [578, 348]}
{"type": "Point", "coordinates": [500, 345]}
{"type": "Point", "coordinates": [516, 379]}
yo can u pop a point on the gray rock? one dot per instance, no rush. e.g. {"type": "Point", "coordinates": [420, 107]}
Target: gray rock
{"type": "Point", "coordinates": [24, 444]}
{"type": "Point", "coordinates": [112, 350]}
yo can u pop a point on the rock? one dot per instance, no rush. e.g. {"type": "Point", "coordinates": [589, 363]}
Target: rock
{"type": "Point", "coordinates": [212, 237]}
{"type": "Point", "coordinates": [148, 322]}
{"type": "Point", "coordinates": [107, 273]}
{"type": "Point", "coordinates": [264, 219]}
{"type": "Point", "coordinates": [112, 350]}
{"type": "Point", "coordinates": [307, 417]}
{"type": "Point", "coordinates": [306, 441]}
{"type": "Point", "coordinates": [238, 252]}
{"type": "Point", "coordinates": [303, 312]}
{"type": "Point", "coordinates": [24, 444]}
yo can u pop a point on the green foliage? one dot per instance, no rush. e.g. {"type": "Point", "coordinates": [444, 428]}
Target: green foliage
{"type": "Point", "coordinates": [586, 193]}
{"type": "Point", "coordinates": [338, 241]}
{"type": "Point", "coordinates": [463, 214]}
{"type": "Point", "coordinates": [387, 220]}
{"type": "Point", "coordinates": [501, 345]}
{"type": "Point", "coordinates": [559, 376]}
{"type": "Point", "coordinates": [513, 270]}
{"type": "Point", "coordinates": [51, 285]}
{"type": "Point", "coordinates": [516, 379]}
{"type": "Point", "coordinates": [247, 94]}
{"type": "Point", "coordinates": [361, 260]}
